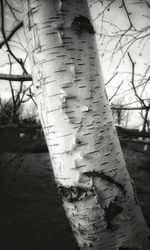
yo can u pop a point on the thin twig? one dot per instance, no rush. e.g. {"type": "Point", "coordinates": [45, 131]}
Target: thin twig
{"type": "Point", "coordinates": [13, 31]}
{"type": "Point", "coordinates": [132, 81]}
{"type": "Point", "coordinates": [6, 42]}
{"type": "Point", "coordinates": [116, 91]}
{"type": "Point", "coordinates": [111, 79]}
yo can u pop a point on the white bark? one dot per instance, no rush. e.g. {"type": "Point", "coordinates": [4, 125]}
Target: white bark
{"type": "Point", "coordinates": [88, 164]}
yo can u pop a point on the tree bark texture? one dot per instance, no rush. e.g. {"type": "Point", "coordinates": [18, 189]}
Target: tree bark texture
{"type": "Point", "coordinates": [88, 164]}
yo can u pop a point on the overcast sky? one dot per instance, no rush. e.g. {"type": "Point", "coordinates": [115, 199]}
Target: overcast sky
{"type": "Point", "coordinates": [114, 18]}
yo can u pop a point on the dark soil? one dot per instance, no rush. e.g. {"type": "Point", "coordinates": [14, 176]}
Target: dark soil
{"type": "Point", "coordinates": [31, 213]}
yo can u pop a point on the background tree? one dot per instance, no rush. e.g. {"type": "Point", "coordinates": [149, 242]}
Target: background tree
{"type": "Point", "coordinates": [6, 111]}
{"type": "Point", "coordinates": [120, 115]}
{"type": "Point", "coordinates": [22, 92]}
{"type": "Point", "coordinates": [117, 38]}
{"type": "Point", "coordinates": [144, 102]}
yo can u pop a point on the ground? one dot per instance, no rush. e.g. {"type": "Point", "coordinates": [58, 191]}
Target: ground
{"type": "Point", "coordinates": [31, 213]}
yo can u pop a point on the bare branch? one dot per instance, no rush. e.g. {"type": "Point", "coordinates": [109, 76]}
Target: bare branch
{"type": "Point", "coordinates": [116, 91]}
{"type": "Point", "coordinates": [111, 78]}
{"type": "Point", "coordinates": [16, 78]}
{"type": "Point", "coordinates": [13, 31]}
{"type": "Point", "coordinates": [6, 42]}
{"type": "Point", "coordinates": [132, 81]}
{"type": "Point", "coordinates": [131, 108]}
{"type": "Point", "coordinates": [106, 8]}
{"type": "Point", "coordinates": [128, 14]}
{"type": "Point", "coordinates": [147, 3]}
{"type": "Point", "coordinates": [12, 9]}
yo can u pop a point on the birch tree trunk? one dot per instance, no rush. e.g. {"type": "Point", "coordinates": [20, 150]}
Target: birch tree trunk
{"type": "Point", "coordinates": [88, 164]}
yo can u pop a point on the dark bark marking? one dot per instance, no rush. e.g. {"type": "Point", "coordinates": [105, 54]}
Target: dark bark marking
{"type": "Point", "coordinates": [75, 193]}
{"type": "Point", "coordinates": [78, 80]}
{"type": "Point", "coordinates": [67, 112]}
{"type": "Point", "coordinates": [135, 193]}
{"type": "Point", "coordinates": [68, 63]}
{"type": "Point", "coordinates": [60, 70]}
{"type": "Point", "coordinates": [72, 49]}
{"type": "Point", "coordinates": [81, 23]}
{"type": "Point", "coordinates": [127, 248]}
{"type": "Point", "coordinates": [105, 162]}
{"type": "Point", "coordinates": [70, 97]}
{"type": "Point", "coordinates": [78, 141]}
{"type": "Point", "coordinates": [111, 212]}
{"type": "Point", "coordinates": [30, 13]}
{"type": "Point", "coordinates": [107, 154]}
{"type": "Point", "coordinates": [81, 87]}
{"type": "Point", "coordinates": [105, 177]}
{"type": "Point", "coordinates": [86, 134]}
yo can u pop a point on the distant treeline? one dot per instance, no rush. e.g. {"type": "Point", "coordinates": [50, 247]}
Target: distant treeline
{"type": "Point", "coordinates": [30, 138]}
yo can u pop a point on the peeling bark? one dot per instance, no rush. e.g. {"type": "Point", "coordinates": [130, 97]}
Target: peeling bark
{"type": "Point", "coordinates": [87, 160]}
{"type": "Point", "coordinates": [107, 178]}
{"type": "Point", "coordinates": [111, 212]}
{"type": "Point", "coordinates": [72, 194]}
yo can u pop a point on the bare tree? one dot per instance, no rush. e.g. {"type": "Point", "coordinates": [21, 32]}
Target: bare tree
{"type": "Point", "coordinates": [117, 40]}
{"type": "Point", "coordinates": [22, 93]}
{"type": "Point", "coordinates": [120, 115]}
{"type": "Point", "coordinates": [145, 103]}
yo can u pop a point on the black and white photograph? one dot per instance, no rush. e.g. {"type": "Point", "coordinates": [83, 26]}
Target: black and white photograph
{"type": "Point", "coordinates": [74, 124]}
